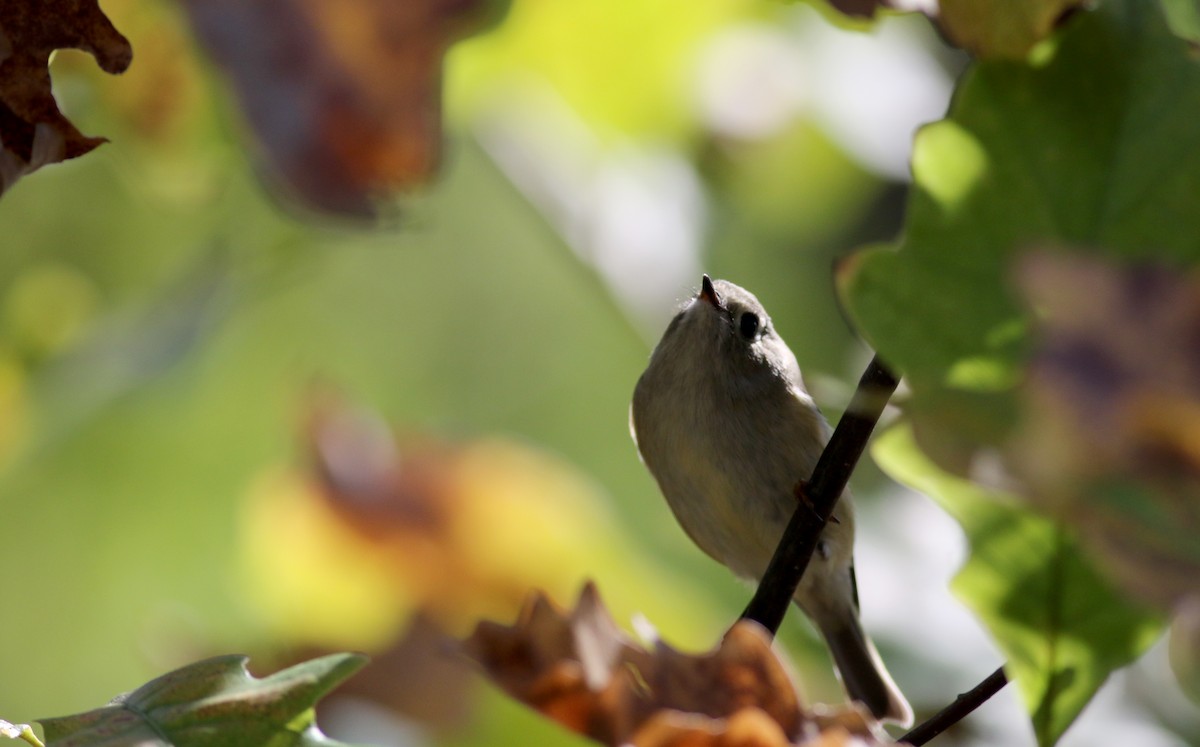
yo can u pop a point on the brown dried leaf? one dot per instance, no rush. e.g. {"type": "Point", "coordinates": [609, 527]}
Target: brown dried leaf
{"type": "Point", "coordinates": [1112, 413]}
{"type": "Point", "coordinates": [345, 97]}
{"type": "Point", "coordinates": [749, 727]}
{"type": "Point", "coordinates": [580, 670]}
{"type": "Point", "coordinates": [33, 132]}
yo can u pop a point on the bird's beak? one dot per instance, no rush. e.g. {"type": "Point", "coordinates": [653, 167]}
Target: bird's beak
{"type": "Point", "coordinates": [709, 293]}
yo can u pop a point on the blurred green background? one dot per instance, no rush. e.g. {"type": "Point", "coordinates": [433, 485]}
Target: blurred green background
{"type": "Point", "coordinates": [163, 317]}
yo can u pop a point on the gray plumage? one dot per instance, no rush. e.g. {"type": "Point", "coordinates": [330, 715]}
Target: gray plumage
{"type": "Point", "coordinates": [722, 420]}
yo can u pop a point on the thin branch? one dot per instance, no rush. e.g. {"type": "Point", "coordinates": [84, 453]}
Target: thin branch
{"type": "Point", "coordinates": [828, 480]}
{"type": "Point", "coordinates": [956, 711]}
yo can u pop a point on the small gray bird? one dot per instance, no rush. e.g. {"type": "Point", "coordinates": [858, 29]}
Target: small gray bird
{"type": "Point", "coordinates": [723, 422]}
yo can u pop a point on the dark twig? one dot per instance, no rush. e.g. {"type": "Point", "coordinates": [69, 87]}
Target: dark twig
{"type": "Point", "coordinates": [828, 480]}
{"type": "Point", "coordinates": [956, 711]}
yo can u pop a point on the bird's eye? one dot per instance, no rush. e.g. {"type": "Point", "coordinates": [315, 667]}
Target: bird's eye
{"type": "Point", "coordinates": [748, 325]}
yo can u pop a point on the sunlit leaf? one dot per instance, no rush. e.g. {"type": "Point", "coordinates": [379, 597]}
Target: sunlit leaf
{"type": "Point", "coordinates": [1095, 146]}
{"type": "Point", "coordinates": [579, 669]}
{"type": "Point", "coordinates": [578, 49]}
{"type": "Point", "coordinates": [1184, 18]}
{"type": "Point", "coordinates": [212, 702]}
{"type": "Point", "coordinates": [1061, 625]}
{"type": "Point", "coordinates": [33, 132]}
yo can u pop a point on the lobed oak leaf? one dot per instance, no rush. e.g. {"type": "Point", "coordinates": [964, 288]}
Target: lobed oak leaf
{"type": "Point", "coordinates": [344, 98]}
{"type": "Point", "coordinates": [579, 669]}
{"type": "Point", "coordinates": [33, 132]}
{"type": "Point", "coordinates": [212, 702]}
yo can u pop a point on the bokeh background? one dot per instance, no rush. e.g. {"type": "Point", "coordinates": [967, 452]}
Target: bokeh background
{"type": "Point", "coordinates": [228, 423]}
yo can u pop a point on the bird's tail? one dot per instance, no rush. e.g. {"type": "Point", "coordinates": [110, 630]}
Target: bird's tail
{"type": "Point", "coordinates": [862, 671]}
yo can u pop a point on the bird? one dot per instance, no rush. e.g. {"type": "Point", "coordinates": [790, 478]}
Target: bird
{"type": "Point", "coordinates": [722, 420]}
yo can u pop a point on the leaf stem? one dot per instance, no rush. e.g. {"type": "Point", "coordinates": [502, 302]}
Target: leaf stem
{"type": "Point", "coordinates": [828, 480]}
{"type": "Point", "coordinates": [23, 732]}
{"type": "Point", "coordinates": [962, 706]}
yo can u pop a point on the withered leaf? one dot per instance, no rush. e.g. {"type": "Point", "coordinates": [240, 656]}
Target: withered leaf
{"type": "Point", "coordinates": [580, 670]}
{"type": "Point", "coordinates": [1112, 413]}
{"type": "Point", "coordinates": [344, 97]}
{"type": "Point", "coordinates": [33, 132]}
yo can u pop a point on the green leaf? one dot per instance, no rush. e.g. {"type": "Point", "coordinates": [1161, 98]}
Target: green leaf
{"type": "Point", "coordinates": [1092, 145]}
{"type": "Point", "coordinates": [1062, 627]}
{"type": "Point", "coordinates": [1001, 28]}
{"type": "Point", "coordinates": [213, 702]}
{"type": "Point", "coordinates": [1183, 17]}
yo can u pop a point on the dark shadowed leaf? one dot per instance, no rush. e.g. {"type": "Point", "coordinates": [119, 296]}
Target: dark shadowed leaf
{"type": "Point", "coordinates": [212, 702]}
{"type": "Point", "coordinates": [33, 132]}
{"type": "Point", "coordinates": [344, 98]}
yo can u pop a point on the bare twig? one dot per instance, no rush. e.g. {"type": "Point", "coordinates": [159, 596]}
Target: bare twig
{"type": "Point", "coordinates": [829, 478]}
{"type": "Point", "coordinates": [956, 711]}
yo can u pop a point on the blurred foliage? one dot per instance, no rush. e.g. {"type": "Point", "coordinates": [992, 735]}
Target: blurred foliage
{"type": "Point", "coordinates": [582, 50]}
{"type": "Point", "coordinates": [163, 321]}
{"type": "Point", "coordinates": [213, 702]}
{"type": "Point", "coordinates": [1028, 156]}
{"type": "Point", "coordinates": [344, 98]}
{"type": "Point", "coordinates": [1063, 628]}
{"type": "Point", "coordinates": [1036, 156]}
{"type": "Point", "coordinates": [1000, 29]}
{"type": "Point", "coordinates": [1111, 412]}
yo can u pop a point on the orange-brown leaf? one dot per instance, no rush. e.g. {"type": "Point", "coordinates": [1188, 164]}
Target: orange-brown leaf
{"type": "Point", "coordinates": [33, 132]}
{"type": "Point", "coordinates": [580, 670]}
{"type": "Point", "coordinates": [344, 97]}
